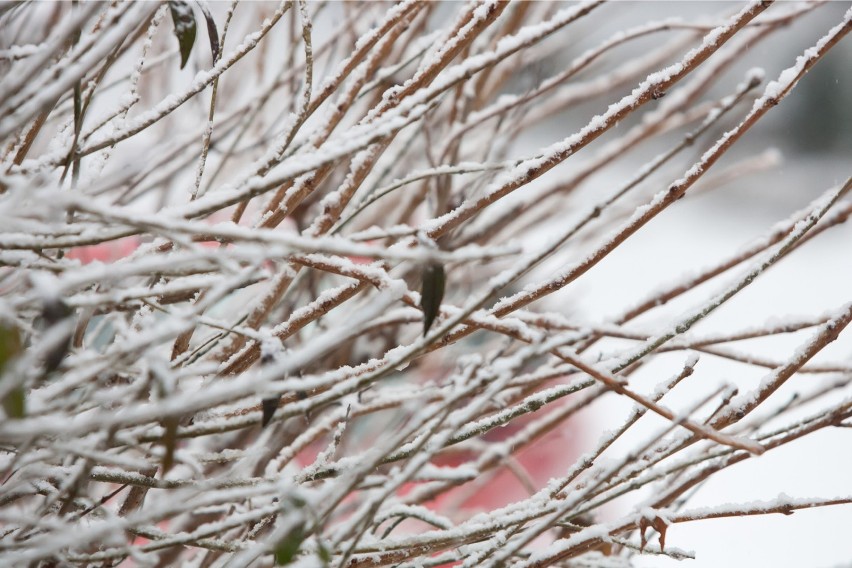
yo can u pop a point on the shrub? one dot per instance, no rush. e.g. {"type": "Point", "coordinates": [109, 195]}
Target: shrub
{"type": "Point", "coordinates": [281, 283]}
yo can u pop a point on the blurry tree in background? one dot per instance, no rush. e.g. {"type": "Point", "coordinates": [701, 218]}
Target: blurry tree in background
{"type": "Point", "coordinates": [294, 283]}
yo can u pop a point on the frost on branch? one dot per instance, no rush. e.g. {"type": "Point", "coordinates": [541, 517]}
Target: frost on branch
{"type": "Point", "coordinates": [328, 297]}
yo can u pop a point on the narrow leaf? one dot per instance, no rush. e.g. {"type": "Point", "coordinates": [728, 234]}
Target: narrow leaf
{"type": "Point", "coordinates": [323, 553]}
{"type": "Point", "coordinates": [54, 312]}
{"type": "Point", "coordinates": [288, 547]}
{"type": "Point", "coordinates": [185, 28]}
{"type": "Point", "coordinates": [212, 33]}
{"type": "Point", "coordinates": [659, 524]}
{"type": "Point", "coordinates": [14, 403]}
{"type": "Point", "coordinates": [643, 526]}
{"type": "Point", "coordinates": [10, 345]}
{"type": "Point", "coordinates": [269, 405]}
{"type": "Point", "coordinates": [431, 293]}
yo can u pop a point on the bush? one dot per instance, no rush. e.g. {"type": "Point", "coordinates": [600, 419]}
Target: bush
{"type": "Point", "coordinates": [281, 283]}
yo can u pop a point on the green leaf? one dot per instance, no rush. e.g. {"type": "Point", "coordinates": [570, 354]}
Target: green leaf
{"type": "Point", "coordinates": [324, 553]}
{"type": "Point", "coordinates": [15, 401]}
{"type": "Point", "coordinates": [10, 345]}
{"type": "Point", "coordinates": [185, 28]}
{"type": "Point", "coordinates": [431, 293]}
{"type": "Point", "coordinates": [288, 547]}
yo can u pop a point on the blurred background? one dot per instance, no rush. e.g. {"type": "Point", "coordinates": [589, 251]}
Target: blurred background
{"type": "Point", "coordinates": [812, 133]}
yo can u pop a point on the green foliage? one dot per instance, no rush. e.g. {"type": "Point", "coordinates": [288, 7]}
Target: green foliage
{"type": "Point", "coordinates": [287, 548]}
{"type": "Point", "coordinates": [14, 403]}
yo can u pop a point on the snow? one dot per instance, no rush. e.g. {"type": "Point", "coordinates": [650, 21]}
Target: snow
{"type": "Point", "coordinates": [376, 422]}
{"type": "Point", "coordinates": [790, 76]}
{"type": "Point", "coordinates": [171, 102]}
{"type": "Point", "coordinates": [31, 103]}
{"type": "Point", "coordinates": [20, 51]}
